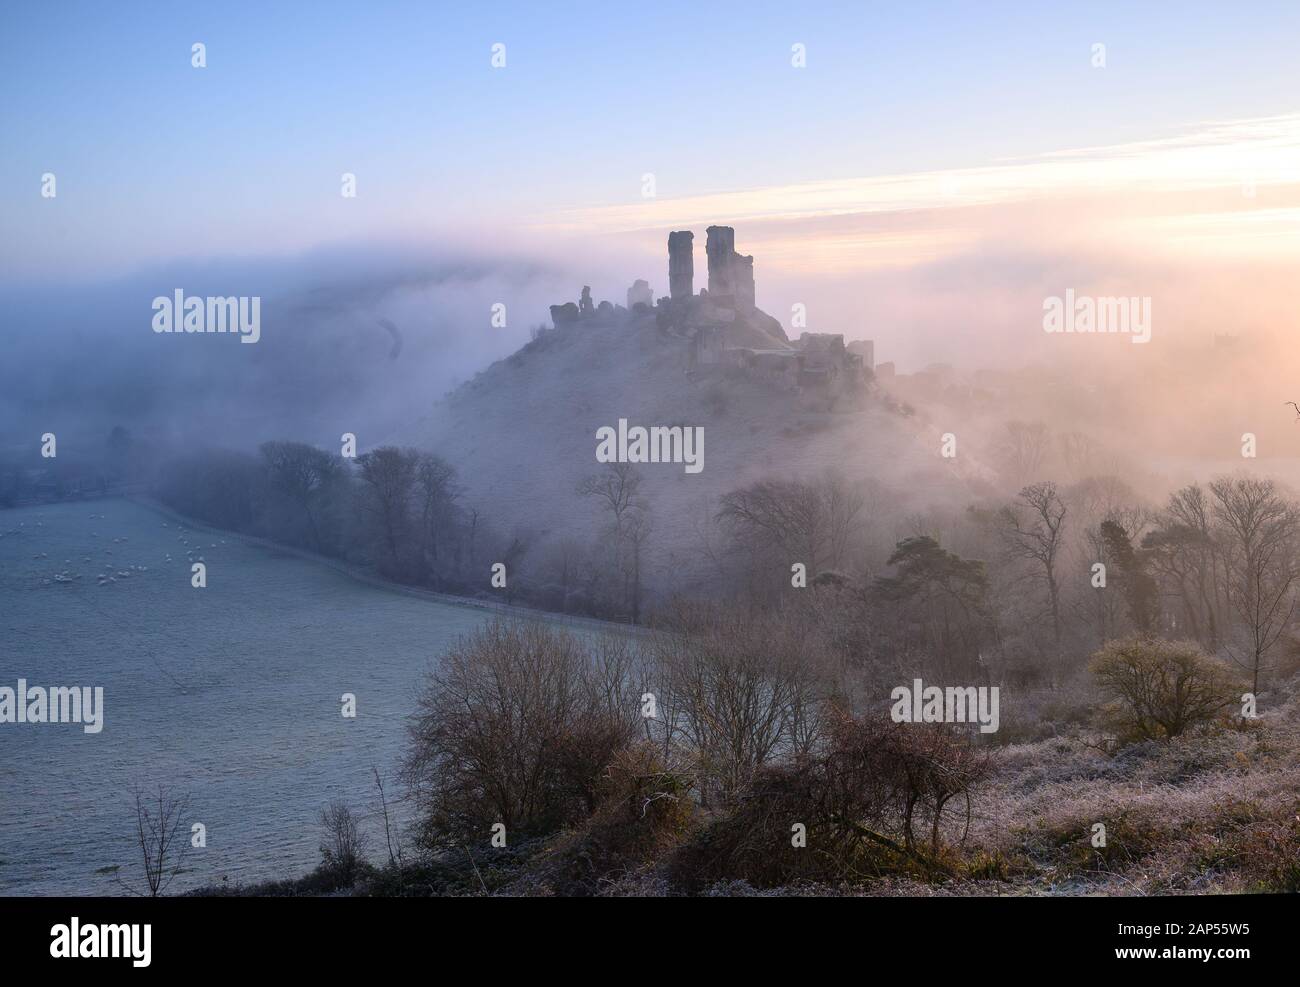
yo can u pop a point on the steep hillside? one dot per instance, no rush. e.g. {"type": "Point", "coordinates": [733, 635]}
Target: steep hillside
{"type": "Point", "coordinates": [523, 432]}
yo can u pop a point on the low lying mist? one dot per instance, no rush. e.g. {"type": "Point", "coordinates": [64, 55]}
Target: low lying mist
{"type": "Point", "coordinates": [358, 339]}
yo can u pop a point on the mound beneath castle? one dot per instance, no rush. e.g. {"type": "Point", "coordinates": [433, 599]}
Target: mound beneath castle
{"type": "Point", "coordinates": [524, 432]}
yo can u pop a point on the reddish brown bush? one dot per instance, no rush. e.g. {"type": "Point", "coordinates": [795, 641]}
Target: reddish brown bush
{"type": "Point", "coordinates": [645, 812]}
{"type": "Point", "coordinates": [874, 802]}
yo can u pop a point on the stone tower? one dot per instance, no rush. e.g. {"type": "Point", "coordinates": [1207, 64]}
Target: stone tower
{"type": "Point", "coordinates": [731, 275]}
{"type": "Point", "coordinates": [681, 264]}
{"type": "Point", "coordinates": [720, 247]}
{"type": "Point", "coordinates": [742, 281]}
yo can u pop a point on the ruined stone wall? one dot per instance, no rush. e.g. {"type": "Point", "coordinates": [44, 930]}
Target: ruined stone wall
{"type": "Point", "coordinates": [742, 275]}
{"type": "Point", "coordinates": [640, 294]}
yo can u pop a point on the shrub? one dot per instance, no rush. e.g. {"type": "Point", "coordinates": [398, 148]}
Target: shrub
{"type": "Point", "coordinates": [341, 844]}
{"type": "Point", "coordinates": [873, 803]}
{"type": "Point", "coordinates": [1160, 688]}
{"type": "Point", "coordinates": [1272, 853]}
{"type": "Point", "coordinates": [646, 810]}
{"type": "Point", "coordinates": [1132, 835]}
{"type": "Point", "coordinates": [739, 691]}
{"type": "Point", "coordinates": [517, 726]}
{"type": "Point", "coordinates": [996, 865]}
{"type": "Point", "coordinates": [1261, 844]}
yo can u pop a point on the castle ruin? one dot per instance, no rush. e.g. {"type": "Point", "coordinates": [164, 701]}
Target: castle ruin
{"type": "Point", "coordinates": [681, 264]}
{"type": "Point", "coordinates": [723, 326]}
{"type": "Point", "coordinates": [731, 275]}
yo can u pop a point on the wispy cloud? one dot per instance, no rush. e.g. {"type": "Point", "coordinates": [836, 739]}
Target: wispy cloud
{"type": "Point", "coordinates": [1235, 184]}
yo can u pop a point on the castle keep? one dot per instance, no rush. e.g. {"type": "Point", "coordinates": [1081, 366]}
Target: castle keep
{"type": "Point", "coordinates": [724, 329]}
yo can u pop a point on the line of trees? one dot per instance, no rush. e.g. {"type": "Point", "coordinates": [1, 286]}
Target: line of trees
{"type": "Point", "coordinates": [1023, 588]}
{"type": "Point", "coordinates": [1027, 588]}
{"type": "Point", "coordinates": [403, 512]}
{"type": "Point", "coordinates": [398, 510]}
{"type": "Point", "coordinates": [706, 742]}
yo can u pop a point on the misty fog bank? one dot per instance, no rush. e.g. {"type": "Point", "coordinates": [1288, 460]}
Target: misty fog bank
{"type": "Point", "coordinates": [367, 337]}
{"type": "Point", "coordinates": [358, 339]}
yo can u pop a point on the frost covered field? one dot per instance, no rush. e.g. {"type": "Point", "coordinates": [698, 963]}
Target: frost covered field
{"type": "Point", "coordinates": [230, 693]}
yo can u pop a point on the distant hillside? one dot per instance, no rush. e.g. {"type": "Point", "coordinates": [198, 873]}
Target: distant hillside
{"type": "Point", "coordinates": [523, 432]}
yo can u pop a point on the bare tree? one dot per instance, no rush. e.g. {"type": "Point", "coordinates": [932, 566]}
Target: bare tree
{"type": "Point", "coordinates": [1023, 450]}
{"type": "Point", "coordinates": [1032, 530]}
{"type": "Point", "coordinates": [1266, 604]}
{"type": "Point", "coordinates": [513, 554]}
{"type": "Point", "coordinates": [739, 691]}
{"type": "Point", "coordinates": [394, 841]}
{"type": "Point", "coordinates": [341, 843]}
{"type": "Point", "coordinates": [636, 534]}
{"type": "Point", "coordinates": [437, 493]}
{"type": "Point", "coordinates": [1100, 609]}
{"type": "Point", "coordinates": [817, 523]}
{"type": "Point", "coordinates": [301, 472]}
{"type": "Point", "coordinates": [159, 818]}
{"type": "Point", "coordinates": [845, 504]}
{"type": "Point", "coordinates": [563, 564]}
{"type": "Point", "coordinates": [472, 528]}
{"type": "Point", "coordinates": [617, 488]}
{"type": "Point", "coordinates": [1079, 454]}
{"type": "Point", "coordinates": [1264, 529]}
{"type": "Point", "coordinates": [1095, 499]}
{"type": "Point", "coordinates": [1186, 553]}
{"type": "Point", "coordinates": [784, 513]}
{"type": "Point", "coordinates": [389, 475]}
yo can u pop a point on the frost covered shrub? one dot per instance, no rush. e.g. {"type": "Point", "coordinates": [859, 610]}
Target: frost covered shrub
{"type": "Point", "coordinates": [1160, 688]}
{"type": "Point", "coordinates": [1133, 833]}
{"type": "Point", "coordinates": [873, 803]}
{"type": "Point", "coordinates": [517, 726]}
{"type": "Point", "coordinates": [739, 691]}
{"type": "Point", "coordinates": [646, 809]}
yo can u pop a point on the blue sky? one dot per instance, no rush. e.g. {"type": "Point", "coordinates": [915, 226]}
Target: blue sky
{"type": "Point", "coordinates": [156, 159]}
